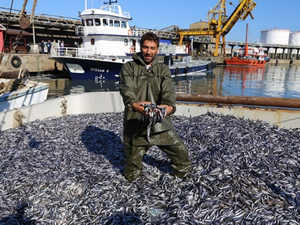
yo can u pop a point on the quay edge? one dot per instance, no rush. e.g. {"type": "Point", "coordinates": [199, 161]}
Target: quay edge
{"type": "Point", "coordinates": [34, 63]}
{"type": "Point", "coordinates": [112, 102]}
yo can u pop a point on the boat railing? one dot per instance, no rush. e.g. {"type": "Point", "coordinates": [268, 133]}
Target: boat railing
{"type": "Point", "coordinates": [137, 32]}
{"type": "Point", "coordinates": [88, 53]}
{"type": "Point", "coordinates": [115, 9]}
{"type": "Point", "coordinates": [64, 51]}
{"type": "Point", "coordinates": [104, 53]}
{"type": "Point", "coordinates": [127, 14]}
{"type": "Point", "coordinates": [79, 30]}
{"type": "Point", "coordinates": [108, 57]}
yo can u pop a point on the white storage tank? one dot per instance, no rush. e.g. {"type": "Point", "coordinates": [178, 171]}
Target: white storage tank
{"type": "Point", "coordinates": [275, 36]}
{"type": "Point", "coordinates": [294, 41]}
{"type": "Point", "coordinates": [294, 38]}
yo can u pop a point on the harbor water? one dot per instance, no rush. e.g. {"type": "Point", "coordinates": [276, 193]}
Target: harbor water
{"type": "Point", "coordinates": [281, 81]}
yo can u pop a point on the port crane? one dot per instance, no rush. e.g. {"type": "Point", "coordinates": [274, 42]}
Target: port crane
{"type": "Point", "coordinates": [218, 23]}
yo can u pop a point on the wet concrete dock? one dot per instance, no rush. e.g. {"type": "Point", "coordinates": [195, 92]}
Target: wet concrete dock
{"type": "Point", "coordinates": [34, 63]}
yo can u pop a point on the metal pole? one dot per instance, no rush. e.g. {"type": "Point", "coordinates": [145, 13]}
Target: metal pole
{"type": "Point", "coordinates": [32, 20]}
{"type": "Point", "coordinates": [23, 8]}
{"type": "Point", "coordinates": [32, 11]}
{"type": "Point", "coordinates": [241, 100]}
{"type": "Point", "coordinates": [33, 33]}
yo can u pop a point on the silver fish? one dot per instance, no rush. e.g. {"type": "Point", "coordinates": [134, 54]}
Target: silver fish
{"type": "Point", "coordinates": [152, 114]}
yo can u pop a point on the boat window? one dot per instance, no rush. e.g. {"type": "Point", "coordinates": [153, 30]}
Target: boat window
{"type": "Point", "coordinates": [123, 24]}
{"type": "Point", "coordinates": [125, 41]}
{"type": "Point", "coordinates": [92, 41]}
{"type": "Point", "coordinates": [117, 23]}
{"type": "Point", "coordinates": [82, 21]}
{"type": "Point", "coordinates": [111, 23]}
{"type": "Point", "coordinates": [89, 22]}
{"type": "Point", "coordinates": [97, 22]}
{"type": "Point", "coordinates": [105, 23]}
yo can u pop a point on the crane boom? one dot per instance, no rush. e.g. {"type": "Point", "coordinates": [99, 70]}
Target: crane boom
{"type": "Point", "coordinates": [218, 23]}
{"type": "Point", "coordinates": [240, 12]}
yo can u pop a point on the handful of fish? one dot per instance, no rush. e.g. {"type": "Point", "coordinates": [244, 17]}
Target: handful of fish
{"type": "Point", "coordinates": [153, 114]}
{"type": "Point", "coordinates": [69, 170]}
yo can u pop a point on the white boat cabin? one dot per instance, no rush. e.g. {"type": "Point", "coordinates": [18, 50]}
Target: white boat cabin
{"type": "Point", "coordinates": [106, 31]}
{"type": "Point", "coordinates": [252, 51]}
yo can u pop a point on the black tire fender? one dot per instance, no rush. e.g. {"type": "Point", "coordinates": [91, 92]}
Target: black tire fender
{"type": "Point", "coordinates": [16, 61]}
{"type": "Point", "coordinates": [176, 71]}
{"type": "Point", "coordinates": [186, 70]}
{"type": "Point", "coordinates": [208, 67]}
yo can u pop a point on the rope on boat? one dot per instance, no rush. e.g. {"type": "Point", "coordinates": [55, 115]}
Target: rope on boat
{"type": "Point", "coordinates": [15, 84]}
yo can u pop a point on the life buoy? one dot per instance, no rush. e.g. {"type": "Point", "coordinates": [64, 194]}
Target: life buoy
{"type": "Point", "coordinates": [15, 61]}
{"type": "Point", "coordinates": [186, 69]}
{"type": "Point", "coordinates": [130, 33]}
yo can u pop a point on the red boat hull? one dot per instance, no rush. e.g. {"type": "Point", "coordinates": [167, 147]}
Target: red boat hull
{"type": "Point", "coordinates": [245, 62]}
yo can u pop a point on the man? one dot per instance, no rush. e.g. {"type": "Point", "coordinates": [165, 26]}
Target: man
{"type": "Point", "coordinates": [42, 47]}
{"type": "Point", "coordinates": [49, 47]}
{"type": "Point", "coordinates": [144, 81]}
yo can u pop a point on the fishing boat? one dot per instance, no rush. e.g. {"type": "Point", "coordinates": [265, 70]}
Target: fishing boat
{"type": "Point", "coordinates": [108, 42]}
{"type": "Point", "coordinates": [248, 56]}
{"type": "Point", "coordinates": [21, 91]}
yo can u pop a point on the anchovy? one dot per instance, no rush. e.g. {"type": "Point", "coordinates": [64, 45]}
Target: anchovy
{"type": "Point", "coordinates": [152, 114]}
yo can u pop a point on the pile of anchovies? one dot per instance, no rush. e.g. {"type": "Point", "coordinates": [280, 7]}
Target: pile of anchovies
{"type": "Point", "coordinates": [69, 170]}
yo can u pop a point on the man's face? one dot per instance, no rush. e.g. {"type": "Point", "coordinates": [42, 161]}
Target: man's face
{"type": "Point", "coordinates": [149, 51]}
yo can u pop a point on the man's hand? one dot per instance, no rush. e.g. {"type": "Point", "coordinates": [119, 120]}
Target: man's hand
{"type": "Point", "coordinates": [168, 108]}
{"type": "Point", "coordinates": [139, 106]}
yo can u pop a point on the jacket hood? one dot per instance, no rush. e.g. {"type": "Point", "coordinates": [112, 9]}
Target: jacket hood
{"type": "Point", "coordinates": [138, 58]}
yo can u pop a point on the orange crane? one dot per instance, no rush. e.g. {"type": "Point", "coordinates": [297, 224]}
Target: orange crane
{"type": "Point", "coordinates": [218, 23]}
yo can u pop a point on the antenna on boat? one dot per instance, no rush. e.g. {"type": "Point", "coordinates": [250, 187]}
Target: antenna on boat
{"type": "Point", "coordinates": [110, 2]}
{"type": "Point", "coordinates": [86, 4]}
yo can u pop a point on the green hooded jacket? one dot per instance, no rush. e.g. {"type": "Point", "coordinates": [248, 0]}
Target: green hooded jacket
{"type": "Point", "coordinates": [137, 83]}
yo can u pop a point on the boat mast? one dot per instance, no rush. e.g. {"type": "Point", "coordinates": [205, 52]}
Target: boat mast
{"type": "Point", "coordinates": [246, 41]}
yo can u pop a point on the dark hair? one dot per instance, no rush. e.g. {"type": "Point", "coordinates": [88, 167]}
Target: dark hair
{"type": "Point", "coordinates": [150, 36]}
